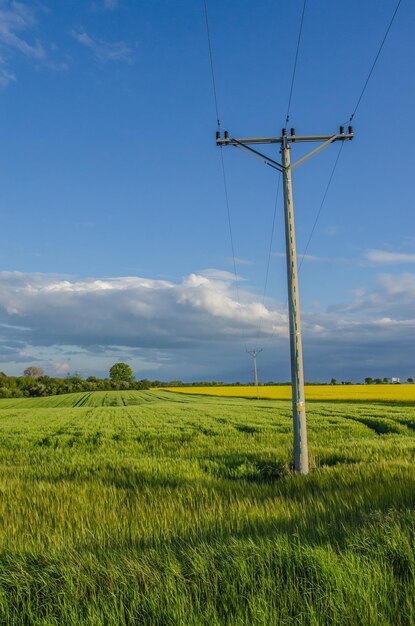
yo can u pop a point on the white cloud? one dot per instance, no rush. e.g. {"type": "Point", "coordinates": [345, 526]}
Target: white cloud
{"type": "Point", "coordinates": [384, 257]}
{"type": "Point", "coordinates": [132, 311]}
{"type": "Point", "coordinates": [61, 368]}
{"type": "Point", "coordinates": [15, 18]}
{"type": "Point", "coordinates": [6, 77]}
{"type": "Point", "coordinates": [393, 295]}
{"type": "Point", "coordinates": [16, 21]}
{"type": "Point", "coordinates": [239, 261]}
{"type": "Point", "coordinates": [198, 327]}
{"type": "Point", "coordinates": [103, 50]}
{"type": "Point", "coordinates": [398, 284]}
{"type": "Point", "coordinates": [221, 275]}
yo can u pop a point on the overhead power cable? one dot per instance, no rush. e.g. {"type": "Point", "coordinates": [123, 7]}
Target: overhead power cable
{"type": "Point", "coordinates": [215, 96]}
{"type": "Point", "coordinates": [350, 120]}
{"type": "Point", "coordinates": [225, 186]}
{"type": "Point", "coordinates": [274, 218]}
{"type": "Point", "coordinates": [287, 118]}
{"type": "Point", "coordinates": [321, 204]}
{"type": "Point", "coordinates": [271, 239]}
{"type": "Point", "coordinates": [225, 182]}
{"type": "Point", "coordinates": [375, 61]}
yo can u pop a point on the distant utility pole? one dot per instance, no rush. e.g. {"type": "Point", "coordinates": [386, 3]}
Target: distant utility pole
{"type": "Point", "coordinates": [297, 372]}
{"type": "Point", "coordinates": [254, 354]}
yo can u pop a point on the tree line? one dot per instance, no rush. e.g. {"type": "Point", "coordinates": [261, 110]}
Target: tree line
{"type": "Point", "coordinates": [35, 383]}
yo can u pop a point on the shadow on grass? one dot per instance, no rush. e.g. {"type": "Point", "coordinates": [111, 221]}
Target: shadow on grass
{"type": "Point", "coordinates": [244, 428]}
{"type": "Point", "coordinates": [246, 467]}
{"type": "Point", "coordinates": [379, 425]}
{"type": "Point", "coordinates": [331, 459]}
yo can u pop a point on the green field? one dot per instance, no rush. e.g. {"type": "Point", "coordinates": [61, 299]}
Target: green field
{"type": "Point", "coordinates": [165, 509]}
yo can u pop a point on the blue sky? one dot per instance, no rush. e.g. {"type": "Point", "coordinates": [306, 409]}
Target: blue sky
{"type": "Point", "coordinates": [114, 237]}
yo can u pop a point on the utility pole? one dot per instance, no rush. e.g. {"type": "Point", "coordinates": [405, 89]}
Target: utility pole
{"type": "Point", "coordinates": [254, 354]}
{"type": "Point", "coordinates": [286, 167]}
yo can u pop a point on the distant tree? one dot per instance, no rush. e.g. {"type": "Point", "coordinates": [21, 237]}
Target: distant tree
{"type": "Point", "coordinates": [33, 372]}
{"type": "Point", "coordinates": [38, 390]}
{"type": "Point", "coordinates": [121, 372]}
{"type": "Point", "coordinates": [368, 380]}
{"type": "Point", "coordinates": [4, 392]}
{"type": "Point", "coordinates": [378, 381]}
{"type": "Point", "coordinates": [410, 380]}
{"type": "Point", "coordinates": [333, 381]}
{"type": "Point", "coordinates": [385, 380]}
{"type": "Point", "coordinates": [123, 384]}
{"type": "Point", "coordinates": [143, 384]}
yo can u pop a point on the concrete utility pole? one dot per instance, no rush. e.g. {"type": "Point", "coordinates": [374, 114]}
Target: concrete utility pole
{"type": "Point", "coordinates": [254, 354]}
{"type": "Point", "coordinates": [297, 372]}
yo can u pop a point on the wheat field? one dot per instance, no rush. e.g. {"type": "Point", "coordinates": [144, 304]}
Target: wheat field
{"type": "Point", "coordinates": [162, 509]}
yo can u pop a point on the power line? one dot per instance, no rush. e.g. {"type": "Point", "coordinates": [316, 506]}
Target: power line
{"type": "Point", "coordinates": [222, 160]}
{"type": "Point", "coordinates": [215, 96]}
{"type": "Point", "coordinates": [274, 217]}
{"type": "Point", "coordinates": [375, 61]}
{"type": "Point", "coordinates": [271, 239]}
{"type": "Point", "coordinates": [225, 186]}
{"type": "Point", "coordinates": [350, 119]}
{"type": "Point", "coordinates": [225, 182]}
{"type": "Point", "coordinates": [279, 178]}
{"type": "Point", "coordinates": [321, 205]}
{"type": "Point", "coordinates": [295, 63]}
{"type": "Point", "coordinates": [287, 118]}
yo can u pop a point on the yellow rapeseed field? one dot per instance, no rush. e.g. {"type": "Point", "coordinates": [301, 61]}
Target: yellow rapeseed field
{"type": "Point", "coordinates": [386, 393]}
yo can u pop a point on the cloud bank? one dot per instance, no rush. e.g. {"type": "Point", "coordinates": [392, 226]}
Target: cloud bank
{"type": "Point", "coordinates": [198, 328]}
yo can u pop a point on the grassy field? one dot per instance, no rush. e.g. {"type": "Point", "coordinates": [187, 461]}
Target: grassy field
{"type": "Point", "coordinates": [153, 508]}
{"type": "Point", "coordinates": [355, 393]}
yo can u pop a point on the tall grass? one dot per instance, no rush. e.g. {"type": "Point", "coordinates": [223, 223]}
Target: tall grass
{"type": "Point", "coordinates": [153, 508]}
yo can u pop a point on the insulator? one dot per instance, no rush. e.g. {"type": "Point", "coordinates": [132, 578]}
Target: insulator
{"type": "Point", "coordinates": [226, 134]}
{"type": "Point", "coordinates": [217, 135]}
{"type": "Point", "coordinates": [350, 130]}
{"type": "Point", "coordinates": [292, 132]}
{"type": "Point", "coordinates": [342, 130]}
{"type": "Point", "coordinates": [284, 132]}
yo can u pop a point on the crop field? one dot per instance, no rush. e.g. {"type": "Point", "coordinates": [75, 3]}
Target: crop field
{"type": "Point", "coordinates": [168, 509]}
{"type": "Point", "coordinates": [355, 393]}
